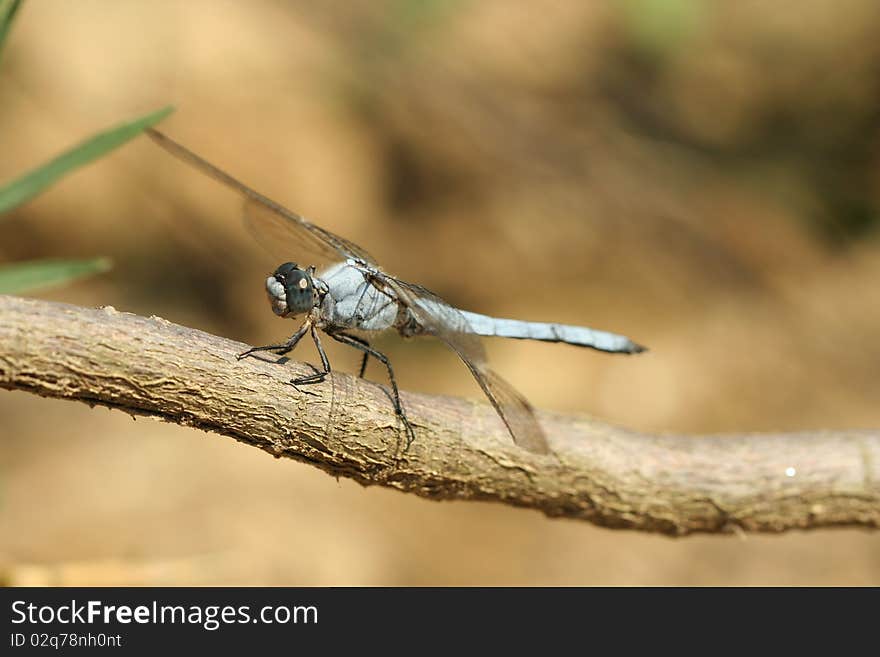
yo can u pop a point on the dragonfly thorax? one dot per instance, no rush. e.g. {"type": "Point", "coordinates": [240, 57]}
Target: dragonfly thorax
{"type": "Point", "coordinates": [290, 290]}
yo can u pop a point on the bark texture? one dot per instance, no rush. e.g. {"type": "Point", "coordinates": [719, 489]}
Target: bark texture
{"type": "Point", "coordinates": [610, 476]}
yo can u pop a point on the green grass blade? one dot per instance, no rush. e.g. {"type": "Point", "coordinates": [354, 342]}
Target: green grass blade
{"type": "Point", "coordinates": [42, 274]}
{"type": "Point", "coordinates": [8, 8]}
{"type": "Point", "coordinates": [31, 184]}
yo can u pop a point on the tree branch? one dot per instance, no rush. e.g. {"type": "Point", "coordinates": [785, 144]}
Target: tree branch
{"type": "Point", "coordinates": [610, 476]}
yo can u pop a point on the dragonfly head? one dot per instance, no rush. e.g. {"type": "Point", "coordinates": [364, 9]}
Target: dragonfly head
{"type": "Point", "coordinates": [290, 290]}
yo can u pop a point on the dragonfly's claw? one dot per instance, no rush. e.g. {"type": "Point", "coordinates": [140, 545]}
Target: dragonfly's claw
{"type": "Point", "coordinates": [410, 436]}
{"type": "Point", "coordinates": [302, 392]}
{"type": "Point", "coordinates": [407, 429]}
{"type": "Point", "coordinates": [309, 379]}
{"type": "Point", "coordinates": [278, 349]}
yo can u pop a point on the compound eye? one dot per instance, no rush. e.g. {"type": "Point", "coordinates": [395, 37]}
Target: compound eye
{"type": "Point", "coordinates": [285, 270]}
{"type": "Point", "coordinates": [298, 289]}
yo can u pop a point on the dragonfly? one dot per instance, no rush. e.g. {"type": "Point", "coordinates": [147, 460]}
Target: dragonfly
{"type": "Point", "coordinates": [343, 293]}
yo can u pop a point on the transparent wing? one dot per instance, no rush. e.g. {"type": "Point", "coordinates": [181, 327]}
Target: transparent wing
{"type": "Point", "coordinates": [438, 318]}
{"type": "Point", "coordinates": [286, 235]}
{"type": "Point", "coordinates": [283, 233]}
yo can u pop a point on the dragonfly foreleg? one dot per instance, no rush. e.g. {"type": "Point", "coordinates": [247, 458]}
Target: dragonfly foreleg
{"type": "Point", "coordinates": [317, 376]}
{"type": "Point", "coordinates": [362, 345]}
{"type": "Point", "coordinates": [282, 348]}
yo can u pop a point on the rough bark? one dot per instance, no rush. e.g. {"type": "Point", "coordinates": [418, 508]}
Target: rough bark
{"type": "Point", "coordinates": [610, 476]}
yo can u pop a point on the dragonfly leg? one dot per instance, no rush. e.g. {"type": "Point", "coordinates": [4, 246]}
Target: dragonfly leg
{"type": "Point", "coordinates": [319, 375]}
{"type": "Point", "coordinates": [306, 392]}
{"type": "Point", "coordinates": [280, 349]}
{"type": "Point", "coordinates": [366, 357]}
{"type": "Point", "coordinates": [362, 345]}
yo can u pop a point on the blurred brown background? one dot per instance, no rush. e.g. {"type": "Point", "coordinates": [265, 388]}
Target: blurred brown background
{"type": "Point", "coordinates": [701, 176]}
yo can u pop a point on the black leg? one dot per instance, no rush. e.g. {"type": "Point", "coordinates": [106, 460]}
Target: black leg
{"type": "Point", "coordinates": [280, 349]}
{"type": "Point", "coordinates": [366, 357]}
{"type": "Point", "coordinates": [319, 376]}
{"type": "Point", "coordinates": [306, 392]}
{"type": "Point", "coordinates": [357, 343]}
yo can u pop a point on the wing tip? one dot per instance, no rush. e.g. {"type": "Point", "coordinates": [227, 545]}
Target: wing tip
{"type": "Point", "coordinates": [533, 441]}
{"type": "Point", "coordinates": [542, 448]}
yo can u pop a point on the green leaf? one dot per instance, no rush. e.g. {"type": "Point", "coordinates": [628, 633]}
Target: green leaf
{"type": "Point", "coordinates": [41, 274]}
{"type": "Point", "coordinates": [8, 8]}
{"type": "Point", "coordinates": [31, 184]}
{"type": "Point", "coordinates": [663, 27]}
